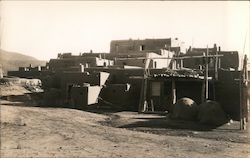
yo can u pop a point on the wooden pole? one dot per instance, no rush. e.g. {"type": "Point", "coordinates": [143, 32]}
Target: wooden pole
{"type": "Point", "coordinates": [152, 105]}
{"type": "Point", "coordinates": [181, 63]}
{"type": "Point", "coordinates": [245, 92]}
{"type": "Point", "coordinates": [242, 104]}
{"type": "Point", "coordinates": [206, 75]}
{"type": "Point", "coordinates": [204, 88]}
{"type": "Point", "coordinates": [243, 96]}
{"type": "Point", "coordinates": [216, 66]}
{"type": "Point", "coordinates": [142, 95]}
{"type": "Point", "coordinates": [241, 116]}
{"type": "Point", "coordinates": [173, 92]}
{"type": "Point", "coordinates": [143, 98]}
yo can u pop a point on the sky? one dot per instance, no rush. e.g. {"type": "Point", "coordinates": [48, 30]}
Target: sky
{"type": "Point", "coordinates": [43, 29]}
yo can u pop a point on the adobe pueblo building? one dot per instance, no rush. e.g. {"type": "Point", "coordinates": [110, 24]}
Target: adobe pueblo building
{"type": "Point", "coordinates": [143, 75]}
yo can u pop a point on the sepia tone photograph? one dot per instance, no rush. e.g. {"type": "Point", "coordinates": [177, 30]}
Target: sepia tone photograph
{"type": "Point", "coordinates": [128, 79]}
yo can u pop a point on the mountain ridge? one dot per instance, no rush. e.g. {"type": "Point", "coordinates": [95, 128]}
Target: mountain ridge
{"type": "Point", "coordinates": [11, 61]}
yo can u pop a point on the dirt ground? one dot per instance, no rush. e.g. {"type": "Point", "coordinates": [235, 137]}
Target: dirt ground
{"type": "Point", "coordinates": [28, 130]}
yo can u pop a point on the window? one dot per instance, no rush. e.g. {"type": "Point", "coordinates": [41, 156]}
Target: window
{"type": "Point", "coordinates": [155, 64]}
{"type": "Point", "coordinates": [141, 47]}
{"type": "Point", "coordinates": [156, 89]}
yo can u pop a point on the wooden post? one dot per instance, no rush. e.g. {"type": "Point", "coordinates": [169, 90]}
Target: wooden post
{"type": "Point", "coordinates": [174, 64]}
{"type": "Point", "coordinates": [215, 73]}
{"type": "Point", "coordinates": [143, 98]}
{"type": "Point", "coordinates": [246, 88]}
{"type": "Point", "coordinates": [243, 96]}
{"type": "Point", "coordinates": [247, 95]}
{"type": "Point", "coordinates": [204, 89]}
{"type": "Point", "coordinates": [241, 102]}
{"type": "Point", "coordinates": [216, 66]}
{"type": "Point", "coordinates": [242, 106]}
{"type": "Point", "coordinates": [206, 75]}
{"type": "Point", "coordinates": [181, 64]}
{"type": "Point", "coordinates": [143, 102]}
{"type": "Point", "coordinates": [173, 92]}
{"type": "Point", "coordinates": [152, 105]}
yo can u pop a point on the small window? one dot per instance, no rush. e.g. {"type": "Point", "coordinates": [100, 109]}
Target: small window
{"type": "Point", "coordinates": [155, 64]}
{"type": "Point", "coordinates": [141, 47]}
{"type": "Point", "coordinates": [156, 89]}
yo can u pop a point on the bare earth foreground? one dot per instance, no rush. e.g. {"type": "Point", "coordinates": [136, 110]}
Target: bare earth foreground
{"type": "Point", "coordinates": [30, 131]}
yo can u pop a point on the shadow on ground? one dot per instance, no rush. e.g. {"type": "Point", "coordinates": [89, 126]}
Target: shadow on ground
{"type": "Point", "coordinates": [162, 125]}
{"type": "Point", "coordinates": [159, 123]}
{"type": "Point", "coordinates": [168, 123]}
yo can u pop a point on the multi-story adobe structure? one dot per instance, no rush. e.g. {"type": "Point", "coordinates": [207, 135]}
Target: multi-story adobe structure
{"type": "Point", "coordinates": [117, 77]}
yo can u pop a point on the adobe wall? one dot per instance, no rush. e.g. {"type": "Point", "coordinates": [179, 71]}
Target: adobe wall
{"type": "Point", "coordinates": [228, 92]}
{"type": "Point", "coordinates": [72, 62]}
{"type": "Point", "coordinates": [79, 97]}
{"type": "Point", "coordinates": [125, 46]}
{"type": "Point", "coordinates": [25, 74]}
{"type": "Point", "coordinates": [132, 62]}
{"type": "Point", "coordinates": [120, 96]}
{"type": "Point", "coordinates": [76, 78]}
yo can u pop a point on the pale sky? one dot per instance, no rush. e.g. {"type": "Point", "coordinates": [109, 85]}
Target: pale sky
{"type": "Point", "coordinates": [43, 29]}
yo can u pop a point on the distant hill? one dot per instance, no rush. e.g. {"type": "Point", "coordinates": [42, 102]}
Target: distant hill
{"type": "Point", "coordinates": [10, 61]}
